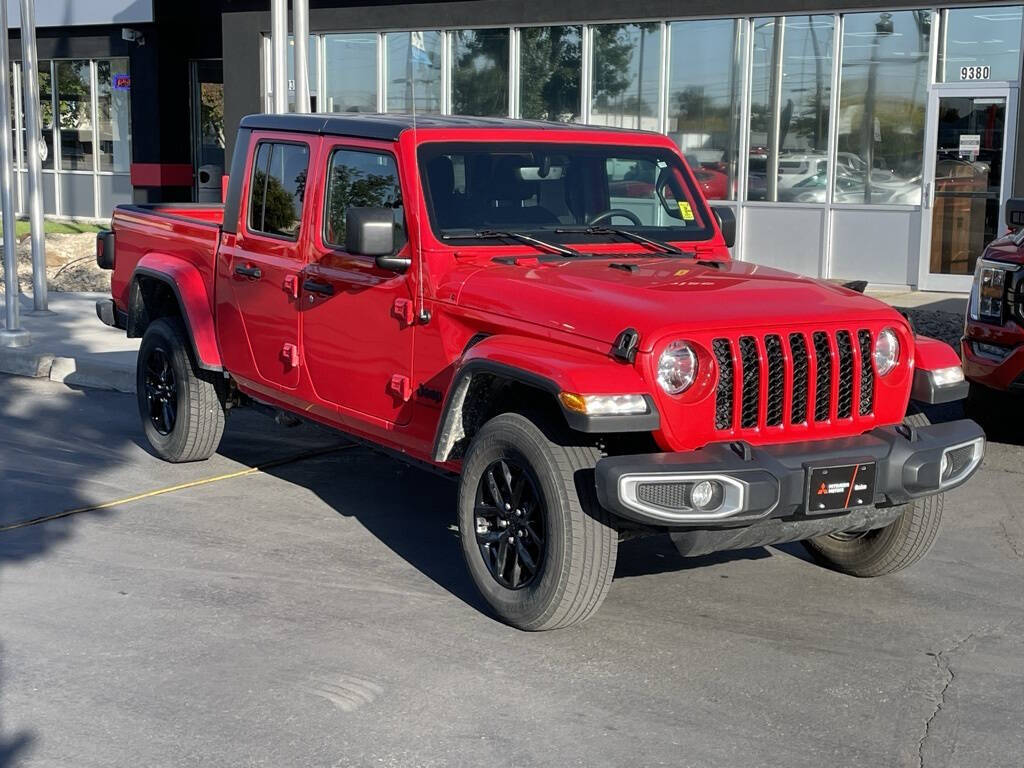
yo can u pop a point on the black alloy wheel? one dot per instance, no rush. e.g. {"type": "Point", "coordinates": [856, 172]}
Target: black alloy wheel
{"type": "Point", "coordinates": [161, 391]}
{"type": "Point", "coordinates": [510, 523]}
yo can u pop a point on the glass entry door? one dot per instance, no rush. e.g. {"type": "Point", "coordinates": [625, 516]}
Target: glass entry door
{"type": "Point", "coordinates": [967, 167]}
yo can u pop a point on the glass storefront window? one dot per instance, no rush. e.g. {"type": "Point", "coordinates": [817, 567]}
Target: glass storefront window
{"type": "Point", "coordinates": [74, 102]}
{"type": "Point", "coordinates": [480, 72]}
{"type": "Point", "coordinates": [350, 73]}
{"type": "Point", "coordinates": [882, 103]}
{"type": "Point", "coordinates": [550, 68]}
{"type": "Point", "coordinates": [113, 114]}
{"type": "Point", "coordinates": [704, 80]}
{"type": "Point", "coordinates": [625, 73]}
{"type": "Point", "coordinates": [413, 68]}
{"type": "Point", "coordinates": [980, 44]}
{"type": "Point", "coordinates": [790, 92]}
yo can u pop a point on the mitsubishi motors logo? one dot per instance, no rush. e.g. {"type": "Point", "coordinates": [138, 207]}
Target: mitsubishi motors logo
{"type": "Point", "coordinates": [822, 490]}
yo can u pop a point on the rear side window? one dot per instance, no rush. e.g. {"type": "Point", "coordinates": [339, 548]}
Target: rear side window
{"type": "Point", "coordinates": [277, 189]}
{"type": "Point", "coordinates": [360, 179]}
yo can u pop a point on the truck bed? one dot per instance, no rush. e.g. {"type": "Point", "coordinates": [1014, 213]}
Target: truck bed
{"type": "Point", "coordinates": [188, 231]}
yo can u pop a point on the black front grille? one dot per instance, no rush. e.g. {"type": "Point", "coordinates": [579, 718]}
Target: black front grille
{"type": "Point", "coordinates": [823, 382]}
{"type": "Point", "coordinates": [842, 360]}
{"type": "Point", "coordinates": [844, 405]}
{"type": "Point", "coordinates": [751, 382]}
{"type": "Point", "coordinates": [723, 398]}
{"type": "Point", "coordinates": [776, 379]}
{"type": "Point", "coordinates": [867, 374]}
{"type": "Point", "coordinates": [798, 354]}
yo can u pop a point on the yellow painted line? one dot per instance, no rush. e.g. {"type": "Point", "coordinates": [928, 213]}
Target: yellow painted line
{"type": "Point", "coordinates": [176, 488]}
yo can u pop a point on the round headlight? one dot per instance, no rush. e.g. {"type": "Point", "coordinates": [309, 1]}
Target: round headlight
{"type": "Point", "coordinates": [677, 367]}
{"type": "Point", "coordinates": [887, 351]}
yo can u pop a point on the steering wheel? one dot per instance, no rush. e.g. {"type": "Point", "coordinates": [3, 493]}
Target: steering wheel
{"type": "Point", "coordinates": [613, 212]}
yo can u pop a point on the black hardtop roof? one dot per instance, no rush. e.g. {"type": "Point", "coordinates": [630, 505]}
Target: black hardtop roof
{"type": "Point", "coordinates": [388, 127]}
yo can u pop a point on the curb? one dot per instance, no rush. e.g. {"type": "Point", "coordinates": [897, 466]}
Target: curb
{"type": "Point", "coordinates": [68, 370]}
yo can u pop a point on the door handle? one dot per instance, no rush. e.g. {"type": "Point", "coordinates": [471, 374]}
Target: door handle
{"type": "Point", "coordinates": [251, 272]}
{"type": "Point", "coordinates": [312, 286]}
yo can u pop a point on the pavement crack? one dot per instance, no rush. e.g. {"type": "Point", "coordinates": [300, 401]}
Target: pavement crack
{"type": "Point", "coordinates": [942, 665]}
{"type": "Point", "coordinates": [1009, 540]}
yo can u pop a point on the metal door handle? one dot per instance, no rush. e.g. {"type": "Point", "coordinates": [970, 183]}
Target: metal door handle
{"type": "Point", "coordinates": [252, 272]}
{"type": "Point", "coordinates": [324, 289]}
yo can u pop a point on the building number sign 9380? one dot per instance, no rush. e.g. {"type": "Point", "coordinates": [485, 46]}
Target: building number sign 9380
{"type": "Point", "coordinates": [975, 73]}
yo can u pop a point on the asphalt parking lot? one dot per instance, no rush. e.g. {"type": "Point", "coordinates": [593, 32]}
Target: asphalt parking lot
{"type": "Point", "coordinates": [316, 613]}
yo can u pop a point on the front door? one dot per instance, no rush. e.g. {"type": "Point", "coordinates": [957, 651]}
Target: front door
{"type": "Point", "coordinates": [967, 166]}
{"type": "Point", "coordinates": [357, 319]}
{"type": "Point", "coordinates": [258, 326]}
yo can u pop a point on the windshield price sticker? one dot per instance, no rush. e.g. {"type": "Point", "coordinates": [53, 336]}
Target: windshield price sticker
{"type": "Point", "coordinates": [970, 144]}
{"type": "Point", "coordinates": [975, 73]}
{"type": "Point", "coordinates": [686, 211]}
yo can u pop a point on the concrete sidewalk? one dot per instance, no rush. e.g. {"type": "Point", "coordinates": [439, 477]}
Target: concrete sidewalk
{"type": "Point", "coordinates": [73, 346]}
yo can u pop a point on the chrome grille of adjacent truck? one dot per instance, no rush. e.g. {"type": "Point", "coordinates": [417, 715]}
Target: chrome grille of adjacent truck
{"type": "Point", "coordinates": [800, 377]}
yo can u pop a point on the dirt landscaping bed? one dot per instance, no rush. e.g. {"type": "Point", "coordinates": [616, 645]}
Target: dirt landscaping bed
{"type": "Point", "coordinates": [70, 264]}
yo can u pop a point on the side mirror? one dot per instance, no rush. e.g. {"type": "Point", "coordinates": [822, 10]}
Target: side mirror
{"type": "Point", "coordinates": [1015, 213]}
{"type": "Point", "coordinates": [371, 232]}
{"type": "Point", "coordinates": [727, 223]}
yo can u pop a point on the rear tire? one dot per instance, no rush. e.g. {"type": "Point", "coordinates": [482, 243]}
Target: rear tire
{"type": "Point", "coordinates": [573, 557]}
{"type": "Point", "coordinates": [885, 550]}
{"type": "Point", "coordinates": [182, 414]}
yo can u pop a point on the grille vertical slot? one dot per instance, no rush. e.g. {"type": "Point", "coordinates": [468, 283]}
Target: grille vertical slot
{"type": "Point", "coordinates": [823, 382]}
{"type": "Point", "coordinates": [724, 396]}
{"type": "Point", "coordinates": [751, 382]}
{"type": "Point", "coordinates": [776, 379]}
{"type": "Point", "coordinates": [844, 402]}
{"type": "Point", "coordinates": [798, 351]}
{"type": "Point", "coordinates": [867, 374]}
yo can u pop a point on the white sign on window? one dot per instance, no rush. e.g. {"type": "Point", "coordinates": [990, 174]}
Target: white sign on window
{"type": "Point", "coordinates": [970, 144]}
{"type": "Point", "coordinates": [975, 73]}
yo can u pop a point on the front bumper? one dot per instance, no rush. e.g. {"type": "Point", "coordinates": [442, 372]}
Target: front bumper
{"type": "Point", "coordinates": [994, 356]}
{"type": "Point", "coordinates": [772, 481]}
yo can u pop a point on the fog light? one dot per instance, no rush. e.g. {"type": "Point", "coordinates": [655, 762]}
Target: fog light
{"type": "Point", "coordinates": [706, 495]}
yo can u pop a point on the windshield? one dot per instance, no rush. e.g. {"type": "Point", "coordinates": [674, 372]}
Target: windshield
{"type": "Point", "coordinates": [557, 191]}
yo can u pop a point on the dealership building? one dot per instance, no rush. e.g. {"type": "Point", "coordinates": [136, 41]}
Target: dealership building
{"type": "Point", "coordinates": [862, 141]}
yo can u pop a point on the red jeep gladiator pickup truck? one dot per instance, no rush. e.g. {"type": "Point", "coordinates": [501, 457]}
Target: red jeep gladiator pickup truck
{"type": "Point", "coordinates": [551, 313]}
{"type": "Point", "coordinates": [993, 343]}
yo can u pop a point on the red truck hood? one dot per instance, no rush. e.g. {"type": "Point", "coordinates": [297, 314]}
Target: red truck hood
{"type": "Point", "coordinates": [1004, 249]}
{"type": "Point", "coordinates": [593, 298]}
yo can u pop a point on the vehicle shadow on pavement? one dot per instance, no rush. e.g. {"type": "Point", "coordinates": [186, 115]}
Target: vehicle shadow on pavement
{"type": "Point", "coordinates": [657, 554]}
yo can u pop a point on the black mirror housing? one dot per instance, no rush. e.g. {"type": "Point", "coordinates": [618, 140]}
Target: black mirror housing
{"type": "Point", "coordinates": [727, 223]}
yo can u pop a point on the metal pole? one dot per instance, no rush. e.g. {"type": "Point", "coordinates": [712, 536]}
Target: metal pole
{"type": "Point", "coordinates": [300, 31]}
{"type": "Point", "coordinates": [279, 53]}
{"type": "Point", "coordinates": [13, 335]}
{"type": "Point", "coordinates": [33, 135]}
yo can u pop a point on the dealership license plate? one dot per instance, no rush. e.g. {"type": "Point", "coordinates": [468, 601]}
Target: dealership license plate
{"type": "Point", "coordinates": [830, 489]}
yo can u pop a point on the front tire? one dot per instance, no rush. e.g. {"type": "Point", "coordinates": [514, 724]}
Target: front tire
{"type": "Point", "coordinates": [885, 550]}
{"type": "Point", "coordinates": [538, 546]}
{"type": "Point", "coordinates": [182, 414]}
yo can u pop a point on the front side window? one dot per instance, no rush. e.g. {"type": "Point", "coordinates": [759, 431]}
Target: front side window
{"type": "Point", "coordinates": [278, 188]}
{"type": "Point", "coordinates": [556, 191]}
{"type": "Point", "coordinates": [359, 179]}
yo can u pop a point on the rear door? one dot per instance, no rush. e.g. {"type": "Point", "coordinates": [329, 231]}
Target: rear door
{"type": "Point", "coordinates": [357, 320]}
{"type": "Point", "coordinates": [261, 269]}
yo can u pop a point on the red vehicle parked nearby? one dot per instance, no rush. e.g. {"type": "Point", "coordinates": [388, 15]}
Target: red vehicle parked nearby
{"type": "Point", "coordinates": [993, 343]}
{"type": "Point", "coordinates": [473, 294]}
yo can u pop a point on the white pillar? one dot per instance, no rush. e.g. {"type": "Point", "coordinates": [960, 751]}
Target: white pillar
{"type": "Point", "coordinates": [300, 31]}
{"type": "Point", "coordinates": [12, 335]}
{"type": "Point", "coordinates": [279, 53]}
{"type": "Point", "coordinates": [34, 135]}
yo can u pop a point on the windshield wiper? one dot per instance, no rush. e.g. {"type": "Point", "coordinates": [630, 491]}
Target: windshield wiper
{"type": "Point", "coordinates": [486, 234]}
{"type": "Point", "coordinates": [660, 245]}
